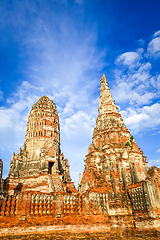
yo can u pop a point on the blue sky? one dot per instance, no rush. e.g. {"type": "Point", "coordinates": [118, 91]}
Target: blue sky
{"type": "Point", "coordinates": [61, 48]}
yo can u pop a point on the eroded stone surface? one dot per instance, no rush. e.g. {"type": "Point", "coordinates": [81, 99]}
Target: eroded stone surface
{"type": "Point", "coordinates": [40, 165]}
{"type": "Point", "coordinates": [115, 165]}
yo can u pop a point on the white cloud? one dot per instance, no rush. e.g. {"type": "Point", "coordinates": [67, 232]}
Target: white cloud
{"type": "Point", "coordinates": [130, 59]}
{"type": "Point", "coordinates": [140, 51]}
{"type": "Point", "coordinates": [142, 118]}
{"type": "Point", "coordinates": [78, 124]}
{"type": "Point", "coordinates": [14, 117]}
{"type": "Point", "coordinates": [153, 49]}
{"type": "Point", "coordinates": [136, 87]}
{"type": "Point", "coordinates": [155, 81]}
{"type": "Point", "coordinates": [157, 34]}
{"type": "Point", "coordinates": [154, 162]}
{"type": "Point", "coordinates": [76, 135]}
{"type": "Point", "coordinates": [158, 150]}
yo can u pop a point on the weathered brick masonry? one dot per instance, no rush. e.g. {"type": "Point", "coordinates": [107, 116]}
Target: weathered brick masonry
{"type": "Point", "coordinates": [115, 163]}
{"type": "Point", "coordinates": [117, 190]}
{"type": "Point", "coordinates": [40, 165]}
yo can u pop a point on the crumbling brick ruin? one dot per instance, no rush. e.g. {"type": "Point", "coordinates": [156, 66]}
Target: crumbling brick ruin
{"type": "Point", "coordinates": [116, 165]}
{"type": "Point", "coordinates": [40, 165]}
{"type": "Point", "coordinates": [117, 190]}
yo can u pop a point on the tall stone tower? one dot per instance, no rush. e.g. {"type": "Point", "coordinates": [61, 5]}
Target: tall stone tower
{"type": "Point", "coordinates": [42, 127]}
{"type": "Point", "coordinates": [114, 163]}
{"type": "Point", "coordinates": [113, 153]}
{"type": "Point", "coordinates": [40, 165]}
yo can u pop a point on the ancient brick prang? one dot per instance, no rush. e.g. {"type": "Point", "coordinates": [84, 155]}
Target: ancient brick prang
{"type": "Point", "coordinates": [115, 163]}
{"type": "Point", "coordinates": [40, 165]}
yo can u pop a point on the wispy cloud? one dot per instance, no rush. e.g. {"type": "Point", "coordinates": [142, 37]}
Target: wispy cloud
{"type": "Point", "coordinates": [141, 42]}
{"type": "Point", "coordinates": [79, 1]}
{"type": "Point", "coordinates": [154, 162]}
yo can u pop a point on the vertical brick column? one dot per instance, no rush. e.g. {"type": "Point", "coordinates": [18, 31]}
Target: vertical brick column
{"type": "Point", "coordinates": [40, 205]}
{"type": "Point", "coordinates": [53, 206]}
{"type": "Point", "coordinates": [28, 205]}
{"type": "Point", "coordinates": [49, 205]}
{"type": "Point", "coordinates": [1, 204]}
{"type": "Point", "coordinates": [13, 205]}
{"type": "Point", "coordinates": [45, 204]}
{"type": "Point", "coordinates": [87, 204]}
{"type": "Point", "coordinates": [8, 205]}
{"type": "Point", "coordinates": [84, 204]}
{"type": "Point", "coordinates": [80, 204]}
{"type": "Point", "coordinates": [58, 206]}
{"type": "Point", "coordinates": [32, 204]}
{"type": "Point", "coordinates": [19, 205]}
{"type": "Point", "coordinates": [23, 215]}
{"type": "Point", "coordinates": [3, 209]}
{"type": "Point", "coordinates": [63, 204]}
{"type": "Point", "coordinates": [37, 204]}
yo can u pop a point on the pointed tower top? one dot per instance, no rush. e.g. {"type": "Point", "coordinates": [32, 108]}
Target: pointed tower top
{"type": "Point", "coordinates": [106, 103]}
{"type": "Point", "coordinates": [108, 116]}
{"type": "Point", "coordinates": [43, 125]}
{"type": "Point", "coordinates": [44, 102]}
{"type": "Point", "coordinates": [103, 79]}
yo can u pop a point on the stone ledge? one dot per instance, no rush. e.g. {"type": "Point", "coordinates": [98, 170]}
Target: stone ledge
{"type": "Point", "coordinates": [53, 228]}
{"type": "Point", "coordinates": [148, 224]}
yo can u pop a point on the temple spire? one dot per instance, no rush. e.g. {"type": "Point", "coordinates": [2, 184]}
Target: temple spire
{"type": "Point", "coordinates": [109, 118]}
{"type": "Point", "coordinates": [106, 103]}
